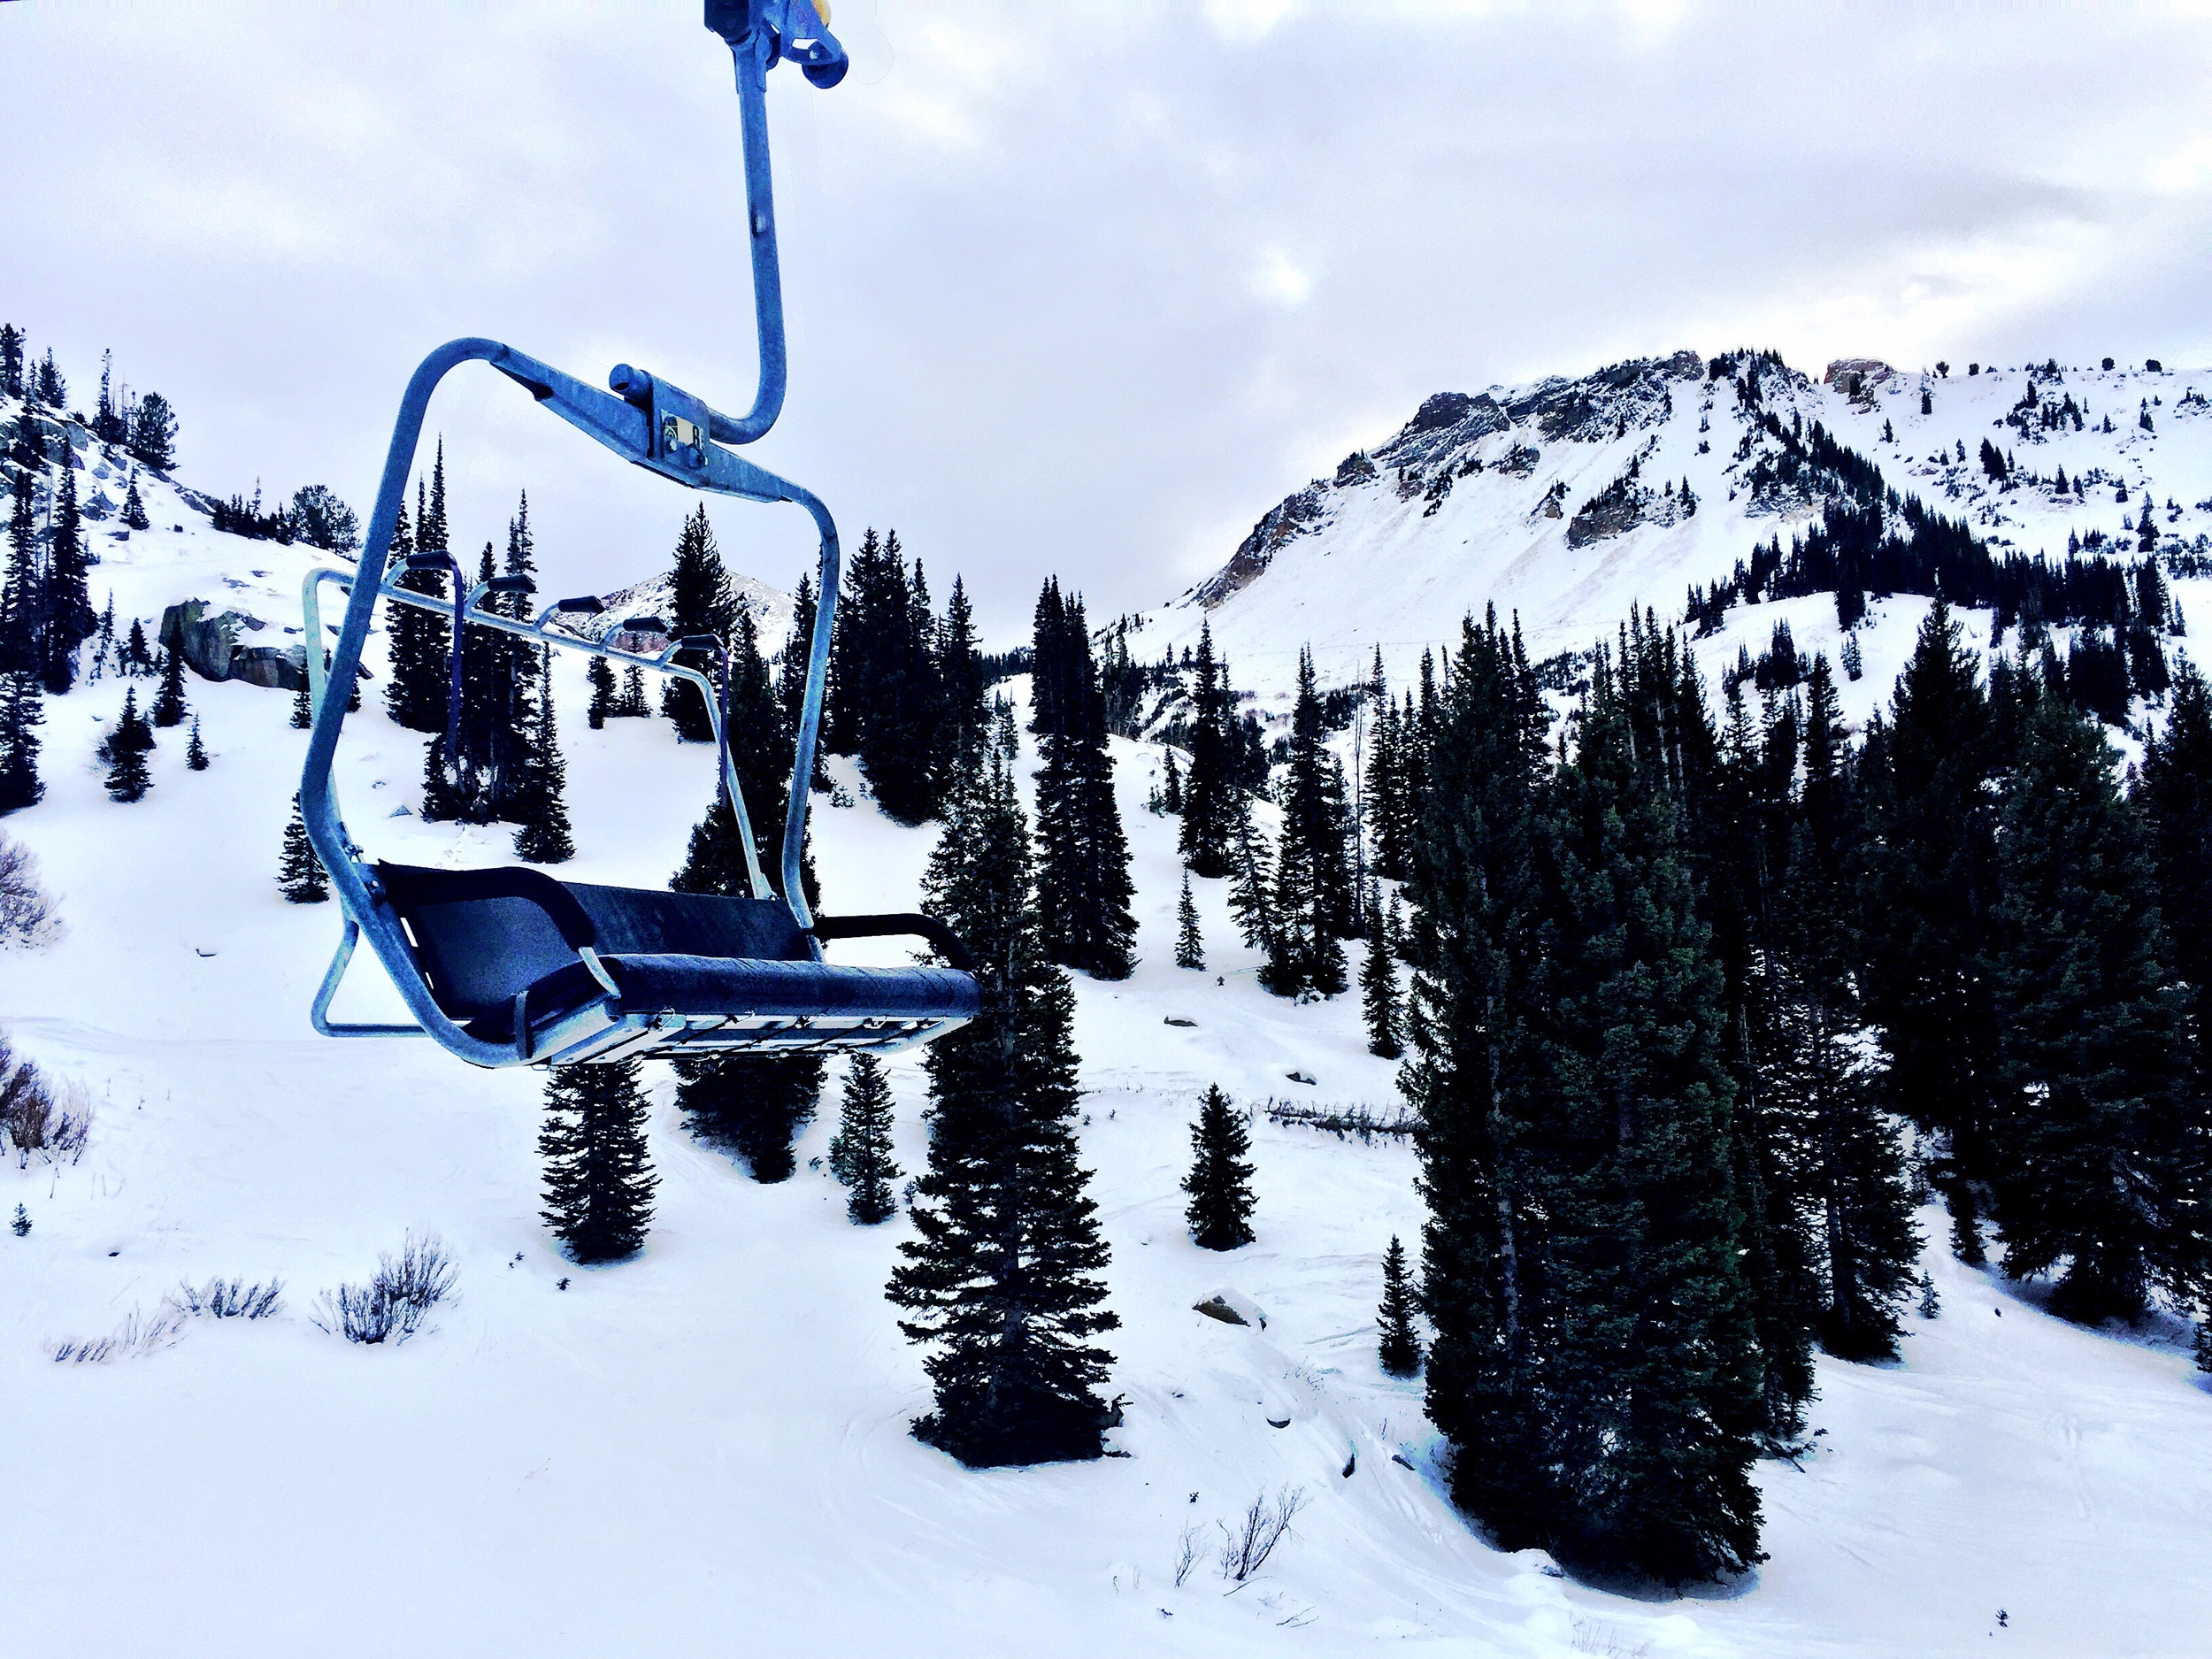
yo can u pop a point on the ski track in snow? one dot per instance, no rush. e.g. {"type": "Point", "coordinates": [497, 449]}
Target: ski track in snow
{"type": "Point", "coordinates": [705, 1449]}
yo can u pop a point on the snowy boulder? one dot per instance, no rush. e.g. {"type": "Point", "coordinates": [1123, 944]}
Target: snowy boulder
{"type": "Point", "coordinates": [277, 667]}
{"type": "Point", "coordinates": [210, 647]}
{"type": "Point", "coordinates": [1232, 1308]}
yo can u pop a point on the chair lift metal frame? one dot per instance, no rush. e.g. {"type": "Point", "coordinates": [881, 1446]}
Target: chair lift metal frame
{"type": "Point", "coordinates": [608, 1005]}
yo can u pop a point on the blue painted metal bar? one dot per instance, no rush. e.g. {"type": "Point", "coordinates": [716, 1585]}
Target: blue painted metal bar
{"type": "Point", "coordinates": [648, 421]}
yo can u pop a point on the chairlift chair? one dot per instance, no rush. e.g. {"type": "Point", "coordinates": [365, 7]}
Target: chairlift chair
{"type": "Point", "coordinates": [510, 966]}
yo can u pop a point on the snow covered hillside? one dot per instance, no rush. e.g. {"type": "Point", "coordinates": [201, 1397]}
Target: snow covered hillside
{"type": "Point", "coordinates": [1564, 501]}
{"type": "Point", "coordinates": [706, 1448]}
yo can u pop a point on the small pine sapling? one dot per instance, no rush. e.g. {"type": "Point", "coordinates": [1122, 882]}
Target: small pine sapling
{"type": "Point", "coordinates": [1190, 943]}
{"type": "Point", "coordinates": [195, 751]}
{"type": "Point", "coordinates": [860, 1153]}
{"type": "Point", "coordinates": [21, 1224]}
{"type": "Point", "coordinates": [128, 775]}
{"type": "Point", "coordinates": [1400, 1349]}
{"type": "Point", "coordinates": [300, 871]}
{"type": "Point", "coordinates": [1931, 1304]}
{"type": "Point", "coordinates": [169, 707]}
{"type": "Point", "coordinates": [303, 708]}
{"type": "Point", "coordinates": [1220, 1180]}
{"type": "Point", "coordinates": [135, 508]}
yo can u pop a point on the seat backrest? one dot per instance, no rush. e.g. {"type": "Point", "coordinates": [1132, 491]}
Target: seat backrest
{"type": "Point", "coordinates": [648, 922]}
{"type": "Point", "coordinates": [478, 953]}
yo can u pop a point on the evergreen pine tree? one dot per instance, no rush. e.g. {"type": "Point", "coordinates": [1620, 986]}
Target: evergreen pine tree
{"type": "Point", "coordinates": [1849, 1168]}
{"type": "Point", "coordinates": [1171, 787]}
{"type": "Point", "coordinates": [68, 617]}
{"type": "Point", "coordinates": [1190, 942]}
{"type": "Point", "coordinates": [299, 871]}
{"type": "Point", "coordinates": [2100, 1146]}
{"type": "Point", "coordinates": [599, 1178]}
{"type": "Point", "coordinates": [303, 700]}
{"type": "Point", "coordinates": [1472, 880]}
{"type": "Point", "coordinates": [542, 810]}
{"type": "Point", "coordinates": [21, 701]}
{"type": "Point", "coordinates": [1251, 897]}
{"type": "Point", "coordinates": [600, 675]}
{"type": "Point", "coordinates": [699, 603]}
{"type": "Point", "coordinates": [1213, 802]}
{"type": "Point", "coordinates": [632, 704]}
{"type": "Point", "coordinates": [153, 439]}
{"type": "Point", "coordinates": [128, 777]}
{"type": "Point", "coordinates": [1400, 1348]}
{"type": "Point", "coordinates": [1313, 877]}
{"type": "Point", "coordinates": [12, 350]}
{"type": "Point", "coordinates": [1083, 885]}
{"type": "Point", "coordinates": [421, 641]}
{"type": "Point", "coordinates": [135, 507]}
{"type": "Point", "coordinates": [1652, 1370]}
{"type": "Point", "coordinates": [2175, 799]}
{"type": "Point", "coordinates": [860, 1153]}
{"type": "Point", "coordinates": [1378, 990]}
{"type": "Point", "coordinates": [1928, 881]}
{"type": "Point", "coordinates": [1002, 1279]}
{"type": "Point", "coordinates": [195, 751]}
{"type": "Point", "coordinates": [1220, 1180]}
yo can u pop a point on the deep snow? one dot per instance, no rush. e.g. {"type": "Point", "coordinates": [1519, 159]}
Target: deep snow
{"type": "Point", "coordinates": [704, 1450]}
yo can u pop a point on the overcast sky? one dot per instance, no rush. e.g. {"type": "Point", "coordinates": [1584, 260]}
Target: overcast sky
{"type": "Point", "coordinates": [1074, 288]}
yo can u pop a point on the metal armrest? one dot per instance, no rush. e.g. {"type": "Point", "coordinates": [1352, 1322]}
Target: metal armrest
{"type": "Point", "coordinates": [945, 942]}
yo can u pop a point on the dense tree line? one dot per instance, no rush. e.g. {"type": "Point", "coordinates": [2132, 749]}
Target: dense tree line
{"type": "Point", "coordinates": [1662, 1163]}
{"type": "Point", "coordinates": [906, 685]}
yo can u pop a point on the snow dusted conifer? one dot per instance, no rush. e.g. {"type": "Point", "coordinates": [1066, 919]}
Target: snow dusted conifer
{"type": "Point", "coordinates": [2098, 1155]}
{"type": "Point", "coordinates": [699, 604]}
{"type": "Point", "coordinates": [1220, 1180]}
{"type": "Point", "coordinates": [860, 1153]}
{"type": "Point", "coordinates": [599, 1178]}
{"type": "Point", "coordinates": [299, 872]}
{"type": "Point", "coordinates": [195, 751]}
{"type": "Point", "coordinates": [1190, 941]}
{"type": "Point", "coordinates": [302, 702]}
{"type": "Point", "coordinates": [128, 775]}
{"type": "Point", "coordinates": [1400, 1348]}
{"type": "Point", "coordinates": [1002, 1281]}
{"type": "Point", "coordinates": [1378, 990]}
{"type": "Point", "coordinates": [600, 675]}
{"type": "Point", "coordinates": [169, 705]}
{"type": "Point", "coordinates": [544, 837]}
{"type": "Point", "coordinates": [135, 507]}
{"type": "Point", "coordinates": [1083, 885]}
{"type": "Point", "coordinates": [1213, 802]}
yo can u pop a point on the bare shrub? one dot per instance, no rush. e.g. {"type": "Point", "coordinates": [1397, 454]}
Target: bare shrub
{"type": "Point", "coordinates": [137, 1334]}
{"type": "Point", "coordinates": [1246, 1545]}
{"type": "Point", "coordinates": [229, 1298]}
{"type": "Point", "coordinates": [394, 1302]}
{"type": "Point", "coordinates": [1186, 1553]}
{"type": "Point", "coordinates": [29, 920]}
{"type": "Point", "coordinates": [36, 1116]}
{"type": "Point", "coordinates": [1606, 1642]}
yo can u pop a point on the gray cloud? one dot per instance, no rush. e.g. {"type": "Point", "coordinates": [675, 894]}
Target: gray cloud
{"type": "Point", "coordinates": [1082, 287]}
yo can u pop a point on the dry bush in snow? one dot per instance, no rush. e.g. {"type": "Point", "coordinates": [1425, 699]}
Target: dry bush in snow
{"type": "Point", "coordinates": [229, 1298]}
{"type": "Point", "coordinates": [37, 1116]}
{"type": "Point", "coordinates": [394, 1303]}
{"type": "Point", "coordinates": [27, 917]}
{"type": "Point", "coordinates": [138, 1334]}
{"type": "Point", "coordinates": [1246, 1545]}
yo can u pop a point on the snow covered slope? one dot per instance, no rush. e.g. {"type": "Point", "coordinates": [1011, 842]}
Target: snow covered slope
{"type": "Point", "coordinates": [1501, 498]}
{"type": "Point", "coordinates": [703, 1451]}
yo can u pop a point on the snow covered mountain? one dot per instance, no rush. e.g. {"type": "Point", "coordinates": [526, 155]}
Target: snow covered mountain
{"type": "Point", "coordinates": [1568, 500]}
{"type": "Point", "coordinates": [706, 1447]}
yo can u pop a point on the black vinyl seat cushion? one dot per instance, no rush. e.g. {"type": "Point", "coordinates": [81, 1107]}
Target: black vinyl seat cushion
{"type": "Point", "coordinates": [483, 937]}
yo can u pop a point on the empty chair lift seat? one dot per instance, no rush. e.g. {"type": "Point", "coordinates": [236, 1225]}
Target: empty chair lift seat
{"type": "Point", "coordinates": [565, 971]}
